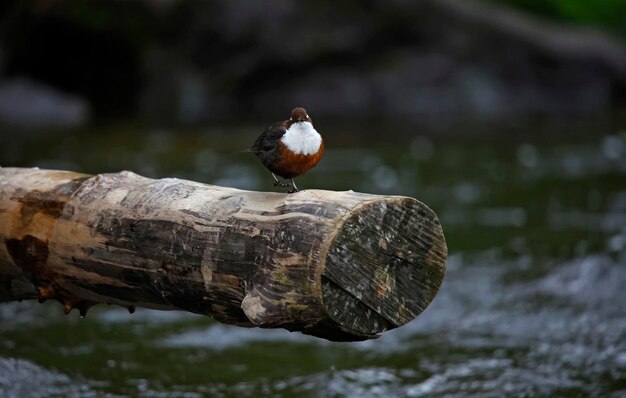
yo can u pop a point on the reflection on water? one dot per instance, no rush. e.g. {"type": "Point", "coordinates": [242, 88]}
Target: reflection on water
{"type": "Point", "coordinates": [532, 303]}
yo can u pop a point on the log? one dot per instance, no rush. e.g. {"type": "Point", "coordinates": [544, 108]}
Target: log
{"type": "Point", "coordinates": [343, 266]}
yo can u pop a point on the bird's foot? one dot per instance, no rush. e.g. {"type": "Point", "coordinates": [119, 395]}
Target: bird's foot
{"type": "Point", "coordinates": [294, 188]}
{"type": "Point", "coordinates": [278, 183]}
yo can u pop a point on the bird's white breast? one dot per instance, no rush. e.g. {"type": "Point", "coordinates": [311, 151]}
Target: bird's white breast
{"type": "Point", "coordinates": [302, 138]}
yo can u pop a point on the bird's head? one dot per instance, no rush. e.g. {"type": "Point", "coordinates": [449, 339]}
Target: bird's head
{"type": "Point", "coordinates": [299, 115]}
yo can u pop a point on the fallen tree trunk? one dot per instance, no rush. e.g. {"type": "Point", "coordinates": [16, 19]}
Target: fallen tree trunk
{"type": "Point", "coordinates": [338, 265]}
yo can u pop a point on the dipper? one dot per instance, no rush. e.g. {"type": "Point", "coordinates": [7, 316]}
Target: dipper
{"type": "Point", "coordinates": [289, 148]}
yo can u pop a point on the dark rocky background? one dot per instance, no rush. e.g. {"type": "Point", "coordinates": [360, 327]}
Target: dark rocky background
{"type": "Point", "coordinates": [172, 62]}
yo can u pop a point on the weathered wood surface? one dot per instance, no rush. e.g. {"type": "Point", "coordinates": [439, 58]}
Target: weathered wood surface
{"type": "Point", "coordinates": [338, 265]}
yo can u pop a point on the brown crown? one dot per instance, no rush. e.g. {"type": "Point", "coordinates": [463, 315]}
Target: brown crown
{"type": "Point", "coordinates": [299, 115]}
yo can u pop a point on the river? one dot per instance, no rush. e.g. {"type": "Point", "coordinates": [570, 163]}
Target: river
{"type": "Point", "coordinates": [533, 302]}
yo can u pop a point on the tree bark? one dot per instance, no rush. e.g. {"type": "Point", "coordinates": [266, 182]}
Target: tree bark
{"type": "Point", "coordinates": [338, 265]}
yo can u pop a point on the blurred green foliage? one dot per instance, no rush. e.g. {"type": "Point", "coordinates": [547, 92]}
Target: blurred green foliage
{"type": "Point", "coordinates": [605, 14]}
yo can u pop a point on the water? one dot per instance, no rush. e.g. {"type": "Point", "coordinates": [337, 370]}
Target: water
{"type": "Point", "coordinates": [533, 303]}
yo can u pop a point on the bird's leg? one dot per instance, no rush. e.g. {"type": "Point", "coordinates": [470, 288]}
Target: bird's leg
{"type": "Point", "coordinates": [278, 183]}
{"type": "Point", "coordinates": [293, 186]}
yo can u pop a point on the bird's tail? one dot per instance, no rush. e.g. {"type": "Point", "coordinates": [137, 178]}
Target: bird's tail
{"type": "Point", "coordinates": [247, 150]}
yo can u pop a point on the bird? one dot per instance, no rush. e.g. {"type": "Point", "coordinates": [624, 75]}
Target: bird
{"type": "Point", "coordinates": [289, 148]}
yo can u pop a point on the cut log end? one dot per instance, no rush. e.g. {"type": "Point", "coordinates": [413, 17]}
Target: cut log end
{"type": "Point", "coordinates": [384, 266]}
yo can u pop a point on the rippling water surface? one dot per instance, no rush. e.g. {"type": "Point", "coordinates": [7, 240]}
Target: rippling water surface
{"type": "Point", "coordinates": [533, 303]}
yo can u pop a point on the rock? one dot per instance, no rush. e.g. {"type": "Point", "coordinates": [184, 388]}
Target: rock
{"type": "Point", "coordinates": [436, 60]}
{"type": "Point", "coordinates": [28, 103]}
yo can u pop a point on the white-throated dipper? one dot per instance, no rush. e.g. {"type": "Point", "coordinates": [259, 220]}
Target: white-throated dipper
{"type": "Point", "coordinates": [289, 148]}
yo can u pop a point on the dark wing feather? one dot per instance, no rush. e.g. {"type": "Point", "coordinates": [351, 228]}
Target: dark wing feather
{"type": "Point", "coordinates": [266, 141]}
